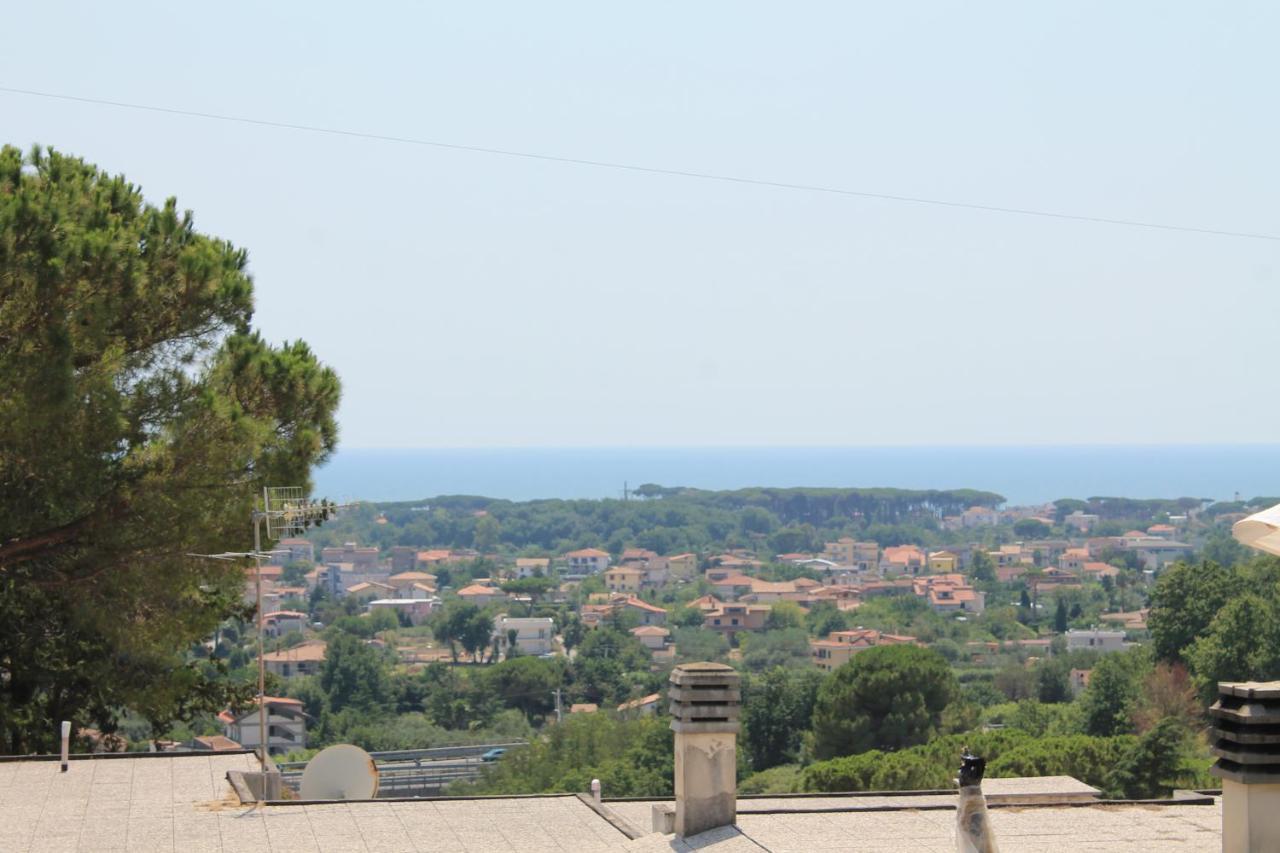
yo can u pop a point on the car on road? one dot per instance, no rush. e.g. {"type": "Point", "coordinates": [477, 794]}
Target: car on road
{"type": "Point", "coordinates": [494, 754]}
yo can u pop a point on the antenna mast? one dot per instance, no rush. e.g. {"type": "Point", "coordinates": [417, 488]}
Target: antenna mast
{"type": "Point", "coordinates": [286, 511]}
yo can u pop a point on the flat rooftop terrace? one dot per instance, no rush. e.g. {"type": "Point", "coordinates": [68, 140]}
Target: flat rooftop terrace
{"type": "Point", "coordinates": [183, 802]}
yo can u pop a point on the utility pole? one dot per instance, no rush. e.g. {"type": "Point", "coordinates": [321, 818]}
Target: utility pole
{"type": "Point", "coordinates": [257, 517]}
{"type": "Point", "coordinates": [559, 711]}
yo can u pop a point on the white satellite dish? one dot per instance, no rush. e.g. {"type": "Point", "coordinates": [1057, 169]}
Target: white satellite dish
{"type": "Point", "coordinates": [342, 772]}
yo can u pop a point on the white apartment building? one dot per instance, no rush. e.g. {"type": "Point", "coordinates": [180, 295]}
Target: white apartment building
{"type": "Point", "coordinates": [286, 726]}
{"type": "Point", "coordinates": [534, 634]}
{"type": "Point", "coordinates": [1095, 639]}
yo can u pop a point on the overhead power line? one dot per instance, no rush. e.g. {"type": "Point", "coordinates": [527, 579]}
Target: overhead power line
{"type": "Point", "coordinates": [651, 170]}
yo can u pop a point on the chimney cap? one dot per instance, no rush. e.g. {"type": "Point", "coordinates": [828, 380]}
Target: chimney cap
{"type": "Point", "coordinates": [1250, 689]}
{"type": "Point", "coordinates": [705, 666]}
{"type": "Point", "coordinates": [718, 674]}
{"type": "Point", "coordinates": [1244, 724]}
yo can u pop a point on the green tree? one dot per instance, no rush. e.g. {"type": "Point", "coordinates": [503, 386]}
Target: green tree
{"type": "Point", "coordinates": [139, 416]}
{"type": "Point", "coordinates": [1089, 759]}
{"type": "Point", "coordinates": [1115, 684]}
{"type": "Point", "coordinates": [295, 573]}
{"type": "Point", "coordinates": [982, 566]}
{"type": "Point", "coordinates": [477, 633]}
{"type": "Point", "coordinates": [572, 633]}
{"type": "Point", "coordinates": [696, 644]}
{"type": "Point", "coordinates": [791, 540]}
{"type": "Point", "coordinates": [1016, 682]}
{"type": "Point", "coordinates": [776, 711]}
{"type": "Point", "coordinates": [609, 664]}
{"type": "Point", "coordinates": [526, 683]}
{"type": "Point", "coordinates": [1184, 601]}
{"type": "Point", "coordinates": [887, 697]}
{"type": "Point", "coordinates": [685, 617]}
{"type": "Point", "coordinates": [535, 587]}
{"type": "Point", "coordinates": [1222, 548]}
{"type": "Point", "coordinates": [1031, 528]}
{"type": "Point", "coordinates": [824, 618]}
{"type": "Point", "coordinates": [486, 534]}
{"type": "Point", "coordinates": [753, 519]}
{"type": "Point", "coordinates": [466, 625]}
{"type": "Point", "coordinates": [1151, 768]}
{"type": "Point", "coordinates": [784, 614]}
{"type": "Point", "coordinates": [1054, 680]}
{"type": "Point", "coordinates": [451, 623]}
{"type": "Point", "coordinates": [1060, 617]}
{"type": "Point", "coordinates": [354, 675]}
{"type": "Point", "coordinates": [1242, 643]}
{"type": "Point", "coordinates": [631, 758]}
{"type": "Point", "coordinates": [788, 647]}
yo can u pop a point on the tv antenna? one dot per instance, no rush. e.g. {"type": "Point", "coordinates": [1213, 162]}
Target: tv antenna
{"type": "Point", "coordinates": [285, 511]}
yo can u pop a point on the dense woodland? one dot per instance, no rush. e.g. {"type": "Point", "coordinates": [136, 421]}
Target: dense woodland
{"type": "Point", "coordinates": [672, 520]}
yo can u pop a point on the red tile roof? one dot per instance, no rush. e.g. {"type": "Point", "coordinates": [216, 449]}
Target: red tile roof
{"type": "Point", "coordinates": [588, 552]}
{"type": "Point", "coordinates": [632, 601]}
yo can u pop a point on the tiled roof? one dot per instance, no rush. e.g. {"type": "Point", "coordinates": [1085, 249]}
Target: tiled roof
{"type": "Point", "coordinates": [366, 585]}
{"type": "Point", "coordinates": [643, 605]}
{"type": "Point", "coordinates": [588, 552]}
{"type": "Point", "coordinates": [641, 702]}
{"type": "Point", "coordinates": [759, 586]}
{"type": "Point", "coordinates": [310, 651]}
{"type": "Point", "coordinates": [480, 589]}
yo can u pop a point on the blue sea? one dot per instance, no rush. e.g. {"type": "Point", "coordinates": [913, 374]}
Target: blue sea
{"type": "Point", "coordinates": [1024, 475]}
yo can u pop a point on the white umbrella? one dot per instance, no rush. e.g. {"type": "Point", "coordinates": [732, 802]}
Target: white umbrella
{"type": "Point", "coordinates": [1260, 530]}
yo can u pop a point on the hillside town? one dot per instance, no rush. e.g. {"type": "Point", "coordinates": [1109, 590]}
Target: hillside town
{"type": "Point", "coordinates": [540, 606]}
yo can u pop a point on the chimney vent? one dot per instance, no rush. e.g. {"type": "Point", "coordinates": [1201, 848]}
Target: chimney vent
{"type": "Point", "coordinates": [705, 706]}
{"type": "Point", "coordinates": [1246, 739]}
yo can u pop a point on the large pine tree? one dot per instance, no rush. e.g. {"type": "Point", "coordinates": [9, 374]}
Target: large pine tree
{"type": "Point", "coordinates": [139, 416]}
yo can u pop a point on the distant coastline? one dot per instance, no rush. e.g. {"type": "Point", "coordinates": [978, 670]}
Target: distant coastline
{"type": "Point", "coordinates": [1024, 475]}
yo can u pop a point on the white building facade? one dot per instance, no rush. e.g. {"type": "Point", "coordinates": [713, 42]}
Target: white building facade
{"type": "Point", "coordinates": [534, 634]}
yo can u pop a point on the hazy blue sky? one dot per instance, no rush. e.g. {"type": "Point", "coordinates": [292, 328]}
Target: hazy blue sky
{"type": "Point", "coordinates": [469, 299]}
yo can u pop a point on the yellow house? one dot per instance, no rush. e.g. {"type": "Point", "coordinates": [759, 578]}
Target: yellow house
{"type": "Point", "coordinates": [943, 562]}
{"type": "Point", "coordinates": [682, 565]}
{"type": "Point", "coordinates": [624, 579]}
{"type": "Point", "coordinates": [839, 646]}
{"type": "Point", "coordinates": [847, 551]}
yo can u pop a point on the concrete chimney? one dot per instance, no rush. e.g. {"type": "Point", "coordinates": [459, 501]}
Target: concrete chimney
{"type": "Point", "coordinates": [705, 705]}
{"type": "Point", "coordinates": [1246, 739]}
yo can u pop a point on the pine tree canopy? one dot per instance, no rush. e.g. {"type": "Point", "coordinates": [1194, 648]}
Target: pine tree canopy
{"type": "Point", "coordinates": [139, 416]}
